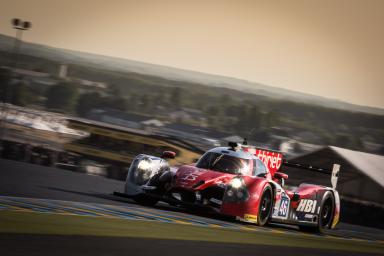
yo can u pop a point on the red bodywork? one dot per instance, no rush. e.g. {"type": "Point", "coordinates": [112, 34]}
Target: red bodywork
{"type": "Point", "coordinates": [187, 176]}
{"type": "Point", "coordinates": [192, 178]}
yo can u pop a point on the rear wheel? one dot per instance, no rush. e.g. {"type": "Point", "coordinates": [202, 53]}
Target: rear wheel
{"type": "Point", "coordinates": [265, 206]}
{"type": "Point", "coordinates": [325, 217]}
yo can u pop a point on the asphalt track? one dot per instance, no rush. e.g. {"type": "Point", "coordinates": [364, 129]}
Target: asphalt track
{"type": "Point", "coordinates": [116, 246]}
{"type": "Point", "coordinates": [42, 189]}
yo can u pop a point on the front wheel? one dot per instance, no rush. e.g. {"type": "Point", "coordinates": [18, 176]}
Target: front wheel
{"type": "Point", "coordinates": [265, 206]}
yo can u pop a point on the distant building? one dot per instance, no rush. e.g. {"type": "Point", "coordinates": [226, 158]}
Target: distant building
{"type": "Point", "coordinates": [85, 86]}
{"type": "Point", "coordinates": [30, 73]}
{"type": "Point", "coordinates": [153, 123]}
{"type": "Point", "coordinates": [198, 135]}
{"type": "Point", "coordinates": [33, 77]}
{"type": "Point", "coordinates": [189, 115]}
{"type": "Point", "coordinates": [87, 83]}
{"type": "Point", "coordinates": [117, 117]}
{"type": "Point", "coordinates": [63, 71]}
{"type": "Point", "coordinates": [41, 78]}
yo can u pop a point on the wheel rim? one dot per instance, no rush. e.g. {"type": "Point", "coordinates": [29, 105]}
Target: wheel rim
{"type": "Point", "coordinates": [265, 206]}
{"type": "Point", "coordinates": [326, 213]}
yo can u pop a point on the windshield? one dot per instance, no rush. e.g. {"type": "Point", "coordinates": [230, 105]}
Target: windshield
{"type": "Point", "coordinates": [223, 163]}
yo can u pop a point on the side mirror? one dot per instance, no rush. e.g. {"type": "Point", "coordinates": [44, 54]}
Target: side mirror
{"type": "Point", "coordinates": [280, 175]}
{"type": "Point", "coordinates": [168, 155]}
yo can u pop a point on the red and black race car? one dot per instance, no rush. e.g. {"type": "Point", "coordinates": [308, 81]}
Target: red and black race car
{"type": "Point", "coordinates": [240, 181]}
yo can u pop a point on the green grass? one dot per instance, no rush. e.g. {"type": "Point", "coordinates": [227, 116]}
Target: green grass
{"type": "Point", "coordinates": [43, 223]}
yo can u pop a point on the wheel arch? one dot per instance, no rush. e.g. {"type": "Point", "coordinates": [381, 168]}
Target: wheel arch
{"type": "Point", "coordinates": [336, 210]}
{"type": "Point", "coordinates": [255, 188]}
{"type": "Point", "coordinates": [336, 205]}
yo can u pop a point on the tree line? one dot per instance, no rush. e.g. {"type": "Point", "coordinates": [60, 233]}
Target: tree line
{"type": "Point", "coordinates": [252, 116]}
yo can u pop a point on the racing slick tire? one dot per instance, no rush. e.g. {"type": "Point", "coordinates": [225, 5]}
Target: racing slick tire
{"type": "Point", "coordinates": [145, 200]}
{"type": "Point", "coordinates": [325, 217]}
{"type": "Point", "coordinates": [265, 206]}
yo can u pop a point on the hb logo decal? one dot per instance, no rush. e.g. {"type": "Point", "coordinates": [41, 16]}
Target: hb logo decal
{"type": "Point", "coordinates": [307, 205]}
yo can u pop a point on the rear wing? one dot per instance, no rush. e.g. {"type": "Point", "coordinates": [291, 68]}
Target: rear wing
{"type": "Point", "coordinates": [274, 160]}
{"type": "Point", "coordinates": [334, 172]}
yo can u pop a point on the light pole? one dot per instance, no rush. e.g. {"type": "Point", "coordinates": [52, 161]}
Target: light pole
{"type": "Point", "coordinates": [19, 25]}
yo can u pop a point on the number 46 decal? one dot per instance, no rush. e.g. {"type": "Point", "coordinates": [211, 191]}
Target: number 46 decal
{"type": "Point", "coordinates": [283, 210]}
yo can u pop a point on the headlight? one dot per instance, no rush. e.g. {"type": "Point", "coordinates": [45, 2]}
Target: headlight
{"type": "Point", "coordinates": [144, 165]}
{"type": "Point", "coordinates": [236, 183]}
{"type": "Point", "coordinates": [141, 171]}
{"type": "Point", "coordinates": [236, 191]}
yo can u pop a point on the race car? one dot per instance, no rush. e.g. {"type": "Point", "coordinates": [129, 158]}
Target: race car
{"type": "Point", "coordinates": [239, 181]}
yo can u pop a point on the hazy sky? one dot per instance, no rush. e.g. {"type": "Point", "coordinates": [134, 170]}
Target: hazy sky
{"type": "Point", "coordinates": [330, 48]}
